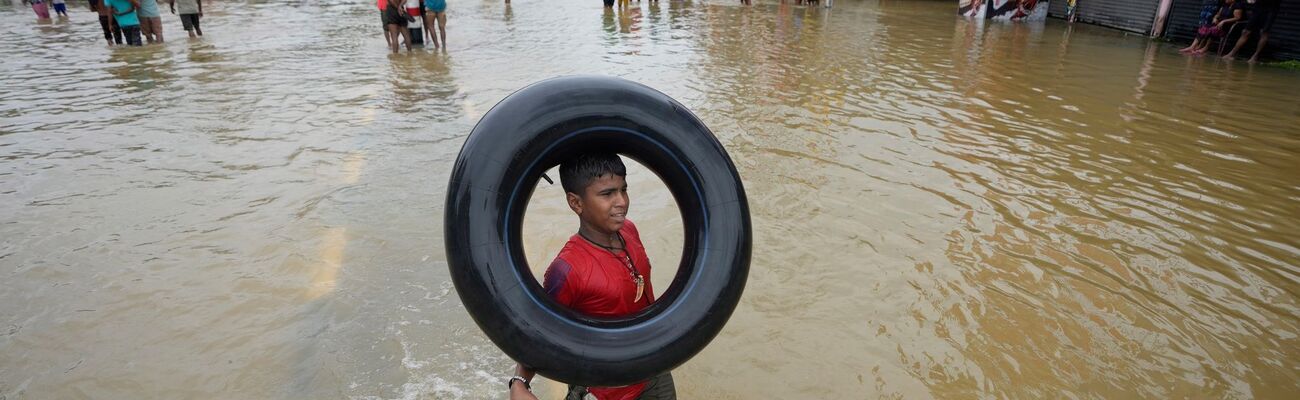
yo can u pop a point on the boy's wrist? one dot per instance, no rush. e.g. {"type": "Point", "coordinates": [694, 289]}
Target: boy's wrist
{"type": "Point", "coordinates": [523, 383]}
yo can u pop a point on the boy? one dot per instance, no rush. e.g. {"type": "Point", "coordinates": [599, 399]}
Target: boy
{"type": "Point", "coordinates": [61, 7]}
{"type": "Point", "coordinates": [190, 12]}
{"type": "Point", "coordinates": [603, 270]}
{"type": "Point", "coordinates": [124, 11]}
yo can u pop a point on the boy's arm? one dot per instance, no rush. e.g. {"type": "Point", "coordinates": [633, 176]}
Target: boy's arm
{"type": "Point", "coordinates": [134, 5]}
{"type": "Point", "coordinates": [1236, 16]}
{"type": "Point", "coordinates": [200, 7]}
{"type": "Point", "coordinates": [172, 4]}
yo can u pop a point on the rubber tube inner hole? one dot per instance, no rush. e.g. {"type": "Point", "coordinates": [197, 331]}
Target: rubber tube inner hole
{"type": "Point", "coordinates": [548, 223]}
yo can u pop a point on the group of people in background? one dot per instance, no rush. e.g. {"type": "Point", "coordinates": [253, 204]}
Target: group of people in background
{"type": "Point", "coordinates": [396, 17]}
{"type": "Point", "coordinates": [130, 22]}
{"type": "Point", "coordinates": [1219, 17]}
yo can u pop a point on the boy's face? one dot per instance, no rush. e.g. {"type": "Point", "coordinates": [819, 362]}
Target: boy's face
{"type": "Point", "coordinates": [603, 204]}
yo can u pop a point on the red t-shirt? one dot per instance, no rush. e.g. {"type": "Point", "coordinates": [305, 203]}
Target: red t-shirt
{"type": "Point", "coordinates": [594, 281]}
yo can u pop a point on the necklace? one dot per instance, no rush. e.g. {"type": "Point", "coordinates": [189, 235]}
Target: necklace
{"type": "Point", "coordinates": [631, 267]}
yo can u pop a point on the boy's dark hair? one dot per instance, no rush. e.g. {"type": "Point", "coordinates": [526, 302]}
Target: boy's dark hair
{"type": "Point", "coordinates": [577, 173]}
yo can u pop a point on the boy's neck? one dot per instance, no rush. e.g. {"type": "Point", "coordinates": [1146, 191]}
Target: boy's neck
{"type": "Point", "coordinates": [600, 238]}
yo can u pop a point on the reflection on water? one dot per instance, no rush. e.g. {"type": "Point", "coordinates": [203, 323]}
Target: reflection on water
{"type": "Point", "coordinates": [942, 207]}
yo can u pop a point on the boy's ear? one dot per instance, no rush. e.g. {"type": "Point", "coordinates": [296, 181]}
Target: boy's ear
{"type": "Point", "coordinates": [575, 202]}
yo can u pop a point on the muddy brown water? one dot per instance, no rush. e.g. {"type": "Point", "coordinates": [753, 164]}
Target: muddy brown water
{"type": "Point", "coordinates": [942, 209]}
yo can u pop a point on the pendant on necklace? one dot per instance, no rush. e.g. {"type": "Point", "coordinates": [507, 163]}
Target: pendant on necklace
{"type": "Point", "coordinates": [640, 287]}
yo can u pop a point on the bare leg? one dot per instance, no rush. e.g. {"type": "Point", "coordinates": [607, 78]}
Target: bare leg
{"type": "Point", "coordinates": [406, 37]}
{"type": "Point", "coordinates": [146, 30]}
{"type": "Point", "coordinates": [388, 36]}
{"type": "Point", "coordinates": [1245, 35]}
{"type": "Point", "coordinates": [392, 36]}
{"type": "Point", "coordinates": [157, 27]}
{"type": "Point", "coordinates": [1263, 38]}
{"type": "Point", "coordinates": [429, 18]}
{"type": "Point", "coordinates": [442, 27]}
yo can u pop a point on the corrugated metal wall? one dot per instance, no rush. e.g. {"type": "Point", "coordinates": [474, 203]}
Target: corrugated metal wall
{"type": "Point", "coordinates": [1130, 15]}
{"type": "Point", "coordinates": [1283, 39]}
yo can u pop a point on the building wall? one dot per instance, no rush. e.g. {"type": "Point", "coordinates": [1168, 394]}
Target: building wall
{"type": "Point", "coordinates": [1130, 15]}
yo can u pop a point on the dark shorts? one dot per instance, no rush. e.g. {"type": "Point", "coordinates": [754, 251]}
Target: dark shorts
{"type": "Point", "coordinates": [189, 21]}
{"type": "Point", "coordinates": [394, 17]}
{"type": "Point", "coordinates": [1261, 19]}
{"type": "Point", "coordinates": [60, 8]}
{"type": "Point", "coordinates": [658, 388]}
{"type": "Point", "coordinates": [383, 19]}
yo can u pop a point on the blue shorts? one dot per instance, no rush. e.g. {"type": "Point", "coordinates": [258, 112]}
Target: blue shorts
{"type": "Point", "coordinates": [435, 5]}
{"type": "Point", "coordinates": [60, 8]}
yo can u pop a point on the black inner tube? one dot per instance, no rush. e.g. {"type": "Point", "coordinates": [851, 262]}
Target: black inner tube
{"type": "Point", "coordinates": [500, 164]}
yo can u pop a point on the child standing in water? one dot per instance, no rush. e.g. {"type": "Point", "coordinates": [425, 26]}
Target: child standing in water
{"type": "Point", "coordinates": [603, 270]}
{"type": "Point", "coordinates": [190, 11]}
{"type": "Point", "coordinates": [38, 6]}
{"type": "Point", "coordinates": [151, 21]}
{"type": "Point", "coordinates": [61, 8]}
{"type": "Point", "coordinates": [436, 11]}
{"type": "Point", "coordinates": [124, 11]}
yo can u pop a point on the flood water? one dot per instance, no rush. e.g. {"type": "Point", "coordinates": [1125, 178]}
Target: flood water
{"type": "Point", "coordinates": [941, 208]}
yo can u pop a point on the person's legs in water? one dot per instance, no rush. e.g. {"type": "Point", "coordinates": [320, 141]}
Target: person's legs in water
{"type": "Point", "coordinates": [1245, 35]}
{"type": "Point", "coordinates": [155, 26]}
{"type": "Point", "coordinates": [429, 18]}
{"type": "Point", "coordinates": [61, 9]}
{"type": "Point", "coordinates": [406, 37]}
{"type": "Point", "coordinates": [132, 35]}
{"type": "Point", "coordinates": [393, 31]}
{"type": "Point", "coordinates": [388, 33]}
{"type": "Point", "coordinates": [106, 23]}
{"type": "Point", "coordinates": [187, 22]}
{"type": "Point", "coordinates": [1263, 38]}
{"type": "Point", "coordinates": [117, 30]}
{"type": "Point", "coordinates": [146, 29]}
{"type": "Point", "coordinates": [1263, 24]}
{"type": "Point", "coordinates": [198, 29]}
{"type": "Point", "coordinates": [442, 27]}
{"type": "Point", "coordinates": [42, 11]}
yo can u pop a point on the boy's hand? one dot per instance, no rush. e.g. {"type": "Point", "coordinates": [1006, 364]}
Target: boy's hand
{"type": "Point", "coordinates": [520, 392]}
